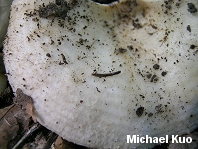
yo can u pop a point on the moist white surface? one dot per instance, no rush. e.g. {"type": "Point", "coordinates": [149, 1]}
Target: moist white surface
{"type": "Point", "coordinates": [53, 61]}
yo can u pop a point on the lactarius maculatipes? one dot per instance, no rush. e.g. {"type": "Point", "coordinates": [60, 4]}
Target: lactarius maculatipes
{"type": "Point", "coordinates": [99, 72]}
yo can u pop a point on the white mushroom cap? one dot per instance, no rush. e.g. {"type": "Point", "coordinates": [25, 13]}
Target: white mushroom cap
{"type": "Point", "coordinates": [53, 61]}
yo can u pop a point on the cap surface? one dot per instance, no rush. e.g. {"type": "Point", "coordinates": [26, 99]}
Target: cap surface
{"type": "Point", "coordinates": [105, 72]}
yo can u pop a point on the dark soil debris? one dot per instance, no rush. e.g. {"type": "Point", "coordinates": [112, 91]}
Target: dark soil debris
{"type": "Point", "coordinates": [59, 9]}
{"type": "Point", "coordinates": [163, 73]}
{"type": "Point", "coordinates": [136, 25]}
{"type": "Point", "coordinates": [191, 8]}
{"type": "Point", "coordinates": [48, 55]}
{"type": "Point", "coordinates": [149, 76]}
{"type": "Point", "coordinates": [150, 114]}
{"type": "Point", "coordinates": [156, 66]}
{"type": "Point", "coordinates": [188, 28]}
{"type": "Point", "coordinates": [140, 111]}
{"type": "Point", "coordinates": [192, 46]}
{"type": "Point", "coordinates": [122, 50]}
{"type": "Point", "coordinates": [154, 78]}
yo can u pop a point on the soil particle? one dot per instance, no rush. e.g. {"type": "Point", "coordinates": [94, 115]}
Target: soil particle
{"type": "Point", "coordinates": [48, 55]}
{"type": "Point", "coordinates": [154, 78]}
{"type": "Point", "coordinates": [149, 76]}
{"type": "Point", "coordinates": [163, 73]}
{"type": "Point", "coordinates": [136, 25]}
{"type": "Point", "coordinates": [140, 111]}
{"type": "Point", "coordinates": [188, 28]}
{"type": "Point", "coordinates": [122, 50]}
{"type": "Point", "coordinates": [156, 66]}
{"type": "Point", "coordinates": [150, 114]}
{"type": "Point", "coordinates": [191, 8]}
{"type": "Point", "coordinates": [192, 46]}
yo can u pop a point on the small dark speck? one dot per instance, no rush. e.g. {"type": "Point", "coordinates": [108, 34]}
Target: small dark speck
{"type": "Point", "coordinates": [150, 114]}
{"type": "Point", "coordinates": [154, 27]}
{"type": "Point", "coordinates": [164, 73]}
{"type": "Point", "coordinates": [188, 28]}
{"type": "Point", "coordinates": [81, 101]}
{"type": "Point", "coordinates": [191, 8]}
{"type": "Point", "coordinates": [97, 90]}
{"type": "Point", "coordinates": [142, 96]}
{"type": "Point", "coordinates": [130, 47]}
{"type": "Point", "coordinates": [64, 59]}
{"type": "Point", "coordinates": [149, 76]}
{"type": "Point", "coordinates": [156, 66]}
{"type": "Point", "coordinates": [122, 50]}
{"type": "Point", "coordinates": [136, 25]}
{"type": "Point", "coordinates": [192, 46]}
{"type": "Point", "coordinates": [177, 4]}
{"type": "Point", "coordinates": [140, 111]}
{"type": "Point", "coordinates": [48, 55]}
{"type": "Point", "coordinates": [154, 78]}
{"type": "Point", "coordinates": [85, 27]}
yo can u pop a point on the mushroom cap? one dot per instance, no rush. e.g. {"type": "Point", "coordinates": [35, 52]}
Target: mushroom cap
{"type": "Point", "coordinates": [62, 63]}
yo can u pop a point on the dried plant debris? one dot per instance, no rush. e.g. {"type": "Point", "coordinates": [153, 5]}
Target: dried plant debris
{"type": "Point", "coordinates": [25, 102]}
{"type": "Point", "coordinates": [60, 143]}
{"type": "Point", "coordinates": [100, 75]}
{"type": "Point", "coordinates": [29, 132]}
{"type": "Point", "coordinates": [54, 9]}
{"type": "Point", "coordinates": [6, 97]}
{"type": "Point", "coordinates": [59, 8]}
{"type": "Point", "coordinates": [19, 130]}
{"type": "Point", "coordinates": [15, 119]}
{"type": "Point", "coordinates": [8, 126]}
